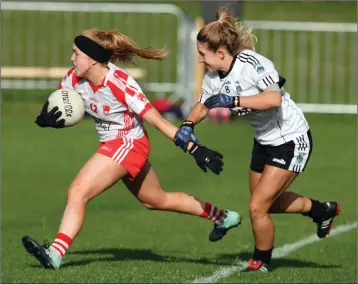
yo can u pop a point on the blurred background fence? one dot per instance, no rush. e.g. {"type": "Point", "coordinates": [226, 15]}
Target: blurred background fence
{"type": "Point", "coordinates": [47, 31]}
{"type": "Point", "coordinates": [317, 59]}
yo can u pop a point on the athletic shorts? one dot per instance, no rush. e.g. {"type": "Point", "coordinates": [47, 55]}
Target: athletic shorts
{"type": "Point", "coordinates": [292, 155]}
{"type": "Point", "coordinates": [132, 154]}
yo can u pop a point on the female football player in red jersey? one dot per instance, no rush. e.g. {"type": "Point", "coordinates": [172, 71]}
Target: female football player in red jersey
{"type": "Point", "coordinates": [119, 106]}
{"type": "Point", "coordinates": [246, 82]}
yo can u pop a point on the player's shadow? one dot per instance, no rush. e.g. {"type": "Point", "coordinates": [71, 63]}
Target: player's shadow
{"type": "Point", "coordinates": [124, 254]}
{"type": "Point", "coordinates": [278, 262]}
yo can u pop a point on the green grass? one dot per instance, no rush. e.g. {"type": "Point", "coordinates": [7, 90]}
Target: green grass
{"type": "Point", "coordinates": [121, 241]}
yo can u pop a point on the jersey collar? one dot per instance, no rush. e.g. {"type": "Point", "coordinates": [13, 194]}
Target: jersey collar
{"type": "Point", "coordinates": [222, 75]}
{"type": "Point", "coordinates": [112, 68]}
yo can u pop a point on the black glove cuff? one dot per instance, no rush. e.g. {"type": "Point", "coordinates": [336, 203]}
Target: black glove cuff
{"type": "Point", "coordinates": [188, 123]}
{"type": "Point", "coordinates": [194, 148]}
{"type": "Point", "coordinates": [237, 101]}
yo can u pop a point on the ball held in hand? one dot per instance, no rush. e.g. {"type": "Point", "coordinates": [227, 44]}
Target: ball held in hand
{"type": "Point", "coordinates": [70, 103]}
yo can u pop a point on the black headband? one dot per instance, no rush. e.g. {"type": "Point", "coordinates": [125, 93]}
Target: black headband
{"type": "Point", "coordinates": [92, 49]}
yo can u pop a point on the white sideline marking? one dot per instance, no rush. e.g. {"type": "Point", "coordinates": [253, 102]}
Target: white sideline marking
{"type": "Point", "coordinates": [277, 253]}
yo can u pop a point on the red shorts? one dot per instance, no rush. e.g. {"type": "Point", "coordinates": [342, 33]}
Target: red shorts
{"type": "Point", "coordinates": [132, 154]}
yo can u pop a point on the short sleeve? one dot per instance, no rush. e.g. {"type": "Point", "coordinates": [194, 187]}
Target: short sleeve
{"type": "Point", "coordinates": [129, 93]}
{"type": "Point", "coordinates": [261, 70]}
{"type": "Point", "coordinates": [69, 81]}
{"type": "Point", "coordinates": [137, 101]}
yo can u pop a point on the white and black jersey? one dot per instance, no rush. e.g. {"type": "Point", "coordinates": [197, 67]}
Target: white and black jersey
{"type": "Point", "coordinates": [251, 73]}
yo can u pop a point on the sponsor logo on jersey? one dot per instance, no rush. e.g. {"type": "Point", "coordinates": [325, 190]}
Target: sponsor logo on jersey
{"type": "Point", "coordinates": [299, 158]}
{"type": "Point", "coordinates": [238, 88]}
{"type": "Point", "coordinates": [102, 124]}
{"type": "Point", "coordinates": [280, 161]}
{"type": "Point", "coordinates": [259, 68]}
{"type": "Point", "coordinates": [93, 99]}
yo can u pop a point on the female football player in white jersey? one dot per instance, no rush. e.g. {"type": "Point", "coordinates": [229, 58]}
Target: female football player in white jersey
{"type": "Point", "coordinates": [118, 107]}
{"type": "Point", "coordinates": [246, 82]}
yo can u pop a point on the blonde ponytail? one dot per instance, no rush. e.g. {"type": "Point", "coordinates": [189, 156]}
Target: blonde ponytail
{"type": "Point", "coordinates": [123, 47]}
{"type": "Point", "coordinates": [227, 32]}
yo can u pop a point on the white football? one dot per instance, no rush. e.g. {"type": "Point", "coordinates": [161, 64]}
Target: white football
{"type": "Point", "coordinates": [70, 103]}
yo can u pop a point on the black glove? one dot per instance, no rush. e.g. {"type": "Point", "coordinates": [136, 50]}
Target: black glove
{"type": "Point", "coordinates": [207, 158]}
{"type": "Point", "coordinates": [185, 134]}
{"type": "Point", "coordinates": [49, 119]}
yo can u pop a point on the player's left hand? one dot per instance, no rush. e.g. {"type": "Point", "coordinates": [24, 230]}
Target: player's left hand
{"type": "Point", "coordinates": [49, 119]}
{"type": "Point", "coordinates": [222, 100]}
{"type": "Point", "coordinates": [207, 158]}
{"type": "Point", "coordinates": [185, 134]}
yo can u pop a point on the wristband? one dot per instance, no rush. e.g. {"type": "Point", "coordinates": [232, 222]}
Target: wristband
{"type": "Point", "coordinates": [193, 148]}
{"type": "Point", "coordinates": [237, 101]}
{"type": "Point", "coordinates": [188, 123]}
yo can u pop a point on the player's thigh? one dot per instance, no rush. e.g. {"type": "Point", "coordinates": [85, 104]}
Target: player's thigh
{"type": "Point", "coordinates": [289, 181]}
{"type": "Point", "coordinates": [98, 174]}
{"type": "Point", "coordinates": [114, 160]}
{"type": "Point", "coordinates": [146, 186]}
{"type": "Point", "coordinates": [254, 178]}
{"type": "Point", "coordinates": [283, 201]}
{"type": "Point", "coordinates": [257, 164]}
{"type": "Point", "coordinates": [269, 187]}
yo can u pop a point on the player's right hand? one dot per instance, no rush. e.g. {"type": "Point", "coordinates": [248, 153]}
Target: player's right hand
{"type": "Point", "coordinates": [49, 119]}
{"type": "Point", "coordinates": [207, 158]}
{"type": "Point", "coordinates": [185, 134]}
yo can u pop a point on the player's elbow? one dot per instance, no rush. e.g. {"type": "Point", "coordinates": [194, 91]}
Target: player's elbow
{"type": "Point", "coordinates": [275, 99]}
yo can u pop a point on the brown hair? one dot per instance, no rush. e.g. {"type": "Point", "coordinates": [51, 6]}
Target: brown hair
{"type": "Point", "coordinates": [227, 32]}
{"type": "Point", "coordinates": [123, 47]}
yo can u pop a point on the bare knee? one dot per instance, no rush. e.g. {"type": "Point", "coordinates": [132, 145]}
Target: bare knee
{"type": "Point", "coordinates": [78, 194]}
{"type": "Point", "coordinates": [256, 209]}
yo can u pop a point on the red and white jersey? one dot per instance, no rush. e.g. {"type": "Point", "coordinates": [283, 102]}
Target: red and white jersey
{"type": "Point", "coordinates": [117, 104]}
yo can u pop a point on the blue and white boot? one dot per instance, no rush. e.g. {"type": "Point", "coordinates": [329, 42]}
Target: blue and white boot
{"type": "Point", "coordinates": [47, 256]}
{"type": "Point", "coordinates": [230, 219]}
